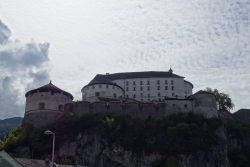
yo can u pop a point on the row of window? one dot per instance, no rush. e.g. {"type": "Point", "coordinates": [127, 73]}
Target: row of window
{"type": "Point", "coordinates": [148, 82]}
{"type": "Point", "coordinates": [100, 86]}
{"type": "Point", "coordinates": [52, 93]}
{"type": "Point", "coordinates": [148, 88]}
{"type": "Point", "coordinates": [159, 95]}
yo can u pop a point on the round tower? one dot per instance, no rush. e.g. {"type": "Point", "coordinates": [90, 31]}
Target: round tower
{"type": "Point", "coordinates": [45, 105]}
{"type": "Point", "coordinates": [204, 103]}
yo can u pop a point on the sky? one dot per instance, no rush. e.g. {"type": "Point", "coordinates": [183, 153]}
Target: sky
{"type": "Point", "coordinates": [206, 41]}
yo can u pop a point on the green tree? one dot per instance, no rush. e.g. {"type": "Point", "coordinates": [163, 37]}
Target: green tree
{"type": "Point", "coordinates": [223, 100]}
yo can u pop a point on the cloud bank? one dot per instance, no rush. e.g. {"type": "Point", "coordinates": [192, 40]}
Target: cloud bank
{"type": "Point", "coordinates": [23, 67]}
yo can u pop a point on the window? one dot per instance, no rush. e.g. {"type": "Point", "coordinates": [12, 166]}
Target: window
{"type": "Point", "coordinates": [148, 82]}
{"type": "Point", "coordinates": [127, 96]}
{"type": "Point", "coordinates": [185, 105]}
{"type": "Point", "coordinates": [113, 87]}
{"type": "Point", "coordinates": [148, 95]}
{"type": "Point", "coordinates": [126, 88]}
{"type": "Point", "coordinates": [60, 107]}
{"type": "Point", "coordinates": [107, 86]}
{"type": "Point", "coordinates": [93, 86]}
{"type": "Point", "coordinates": [31, 94]}
{"type": "Point", "coordinates": [172, 82]}
{"type": "Point", "coordinates": [173, 94]}
{"type": "Point", "coordinates": [141, 100]}
{"type": "Point", "coordinates": [158, 87]}
{"type": "Point", "coordinates": [133, 82]}
{"type": "Point", "coordinates": [87, 88]}
{"type": "Point", "coordinates": [127, 83]}
{"type": "Point", "coordinates": [114, 95]}
{"type": "Point", "coordinates": [148, 99]}
{"type": "Point", "coordinates": [159, 94]}
{"type": "Point", "coordinates": [173, 105]}
{"type": "Point", "coordinates": [158, 82]}
{"type": "Point", "coordinates": [166, 87]}
{"type": "Point", "coordinates": [141, 88]}
{"type": "Point", "coordinates": [134, 88]}
{"type": "Point", "coordinates": [100, 86]}
{"type": "Point", "coordinates": [141, 94]}
{"type": "Point", "coordinates": [134, 96]}
{"type": "Point", "coordinates": [166, 82]}
{"type": "Point", "coordinates": [148, 87]}
{"type": "Point", "coordinates": [172, 87]}
{"type": "Point", "coordinates": [41, 106]}
{"type": "Point", "coordinates": [97, 93]}
{"type": "Point", "coordinates": [141, 83]}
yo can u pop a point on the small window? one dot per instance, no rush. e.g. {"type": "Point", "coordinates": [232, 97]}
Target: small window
{"type": "Point", "coordinates": [141, 94]}
{"type": "Point", "coordinates": [172, 82]}
{"type": "Point", "coordinates": [148, 95]}
{"type": "Point", "coordinates": [107, 86]}
{"type": "Point", "coordinates": [158, 87]}
{"type": "Point", "coordinates": [114, 95]}
{"type": "Point", "coordinates": [166, 82]}
{"type": "Point", "coordinates": [173, 105]}
{"type": "Point", "coordinates": [158, 82]}
{"type": "Point", "coordinates": [166, 87]}
{"type": "Point", "coordinates": [97, 94]}
{"type": "Point", "coordinates": [60, 107]}
{"type": "Point", "coordinates": [185, 105]}
{"type": "Point", "coordinates": [172, 87]}
{"type": "Point", "coordinates": [141, 88]}
{"type": "Point", "coordinates": [87, 88]}
{"type": "Point", "coordinates": [134, 96]}
{"type": "Point", "coordinates": [100, 86]}
{"type": "Point", "coordinates": [173, 94]}
{"type": "Point", "coordinates": [159, 94]}
{"type": "Point", "coordinates": [127, 83]}
{"type": "Point", "coordinates": [113, 87]}
{"type": "Point", "coordinates": [31, 94]}
{"type": "Point", "coordinates": [134, 88]}
{"type": "Point", "coordinates": [141, 82]}
{"type": "Point", "coordinates": [127, 88]}
{"type": "Point", "coordinates": [148, 87]}
{"type": "Point", "coordinates": [141, 100]}
{"type": "Point", "coordinates": [133, 82]}
{"type": "Point", "coordinates": [127, 96]}
{"type": "Point", "coordinates": [41, 106]}
{"type": "Point", "coordinates": [148, 82]}
{"type": "Point", "coordinates": [93, 86]}
{"type": "Point", "coordinates": [148, 99]}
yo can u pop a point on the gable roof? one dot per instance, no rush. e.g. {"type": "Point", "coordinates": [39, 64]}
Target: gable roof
{"type": "Point", "coordinates": [47, 88]}
{"type": "Point", "coordinates": [129, 75]}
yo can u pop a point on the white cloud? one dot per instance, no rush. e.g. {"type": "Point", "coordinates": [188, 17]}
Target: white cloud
{"type": "Point", "coordinates": [23, 67]}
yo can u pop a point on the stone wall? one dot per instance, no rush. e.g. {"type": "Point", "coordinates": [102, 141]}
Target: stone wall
{"type": "Point", "coordinates": [41, 118]}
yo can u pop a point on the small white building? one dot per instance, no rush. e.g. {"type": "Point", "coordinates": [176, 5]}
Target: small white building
{"type": "Point", "coordinates": [140, 86]}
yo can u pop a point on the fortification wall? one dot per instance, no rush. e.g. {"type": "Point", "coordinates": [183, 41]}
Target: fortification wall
{"type": "Point", "coordinates": [41, 118]}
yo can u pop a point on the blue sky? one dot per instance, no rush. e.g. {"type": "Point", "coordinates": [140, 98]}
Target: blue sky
{"type": "Point", "coordinates": [207, 42]}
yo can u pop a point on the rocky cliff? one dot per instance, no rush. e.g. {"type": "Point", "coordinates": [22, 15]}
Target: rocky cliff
{"type": "Point", "coordinates": [89, 149]}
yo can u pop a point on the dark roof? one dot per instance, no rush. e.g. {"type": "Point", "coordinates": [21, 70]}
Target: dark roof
{"type": "Point", "coordinates": [47, 88]}
{"type": "Point", "coordinates": [93, 82]}
{"type": "Point", "coordinates": [242, 111]}
{"type": "Point", "coordinates": [189, 83]}
{"type": "Point", "coordinates": [128, 75]}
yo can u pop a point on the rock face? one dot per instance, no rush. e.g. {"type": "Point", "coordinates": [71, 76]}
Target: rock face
{"type": "Point", "coordinates": [89, 149]}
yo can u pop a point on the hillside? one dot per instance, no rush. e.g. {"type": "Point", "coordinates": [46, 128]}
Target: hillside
{"type": "Point", "coordinates": [7, 124]}
{"type": "Point", "coordinates": [181, 139]}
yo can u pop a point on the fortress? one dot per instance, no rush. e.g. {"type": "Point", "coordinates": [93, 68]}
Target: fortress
{"type": "Point", "coordinates": [152, 93]}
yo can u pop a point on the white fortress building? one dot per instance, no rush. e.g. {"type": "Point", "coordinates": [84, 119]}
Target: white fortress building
{"type": "Point", "coordinates": [140, 86]}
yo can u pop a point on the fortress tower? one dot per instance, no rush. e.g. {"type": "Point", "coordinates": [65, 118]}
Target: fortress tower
{"type": "Point", "coordinates": [45, 105]}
